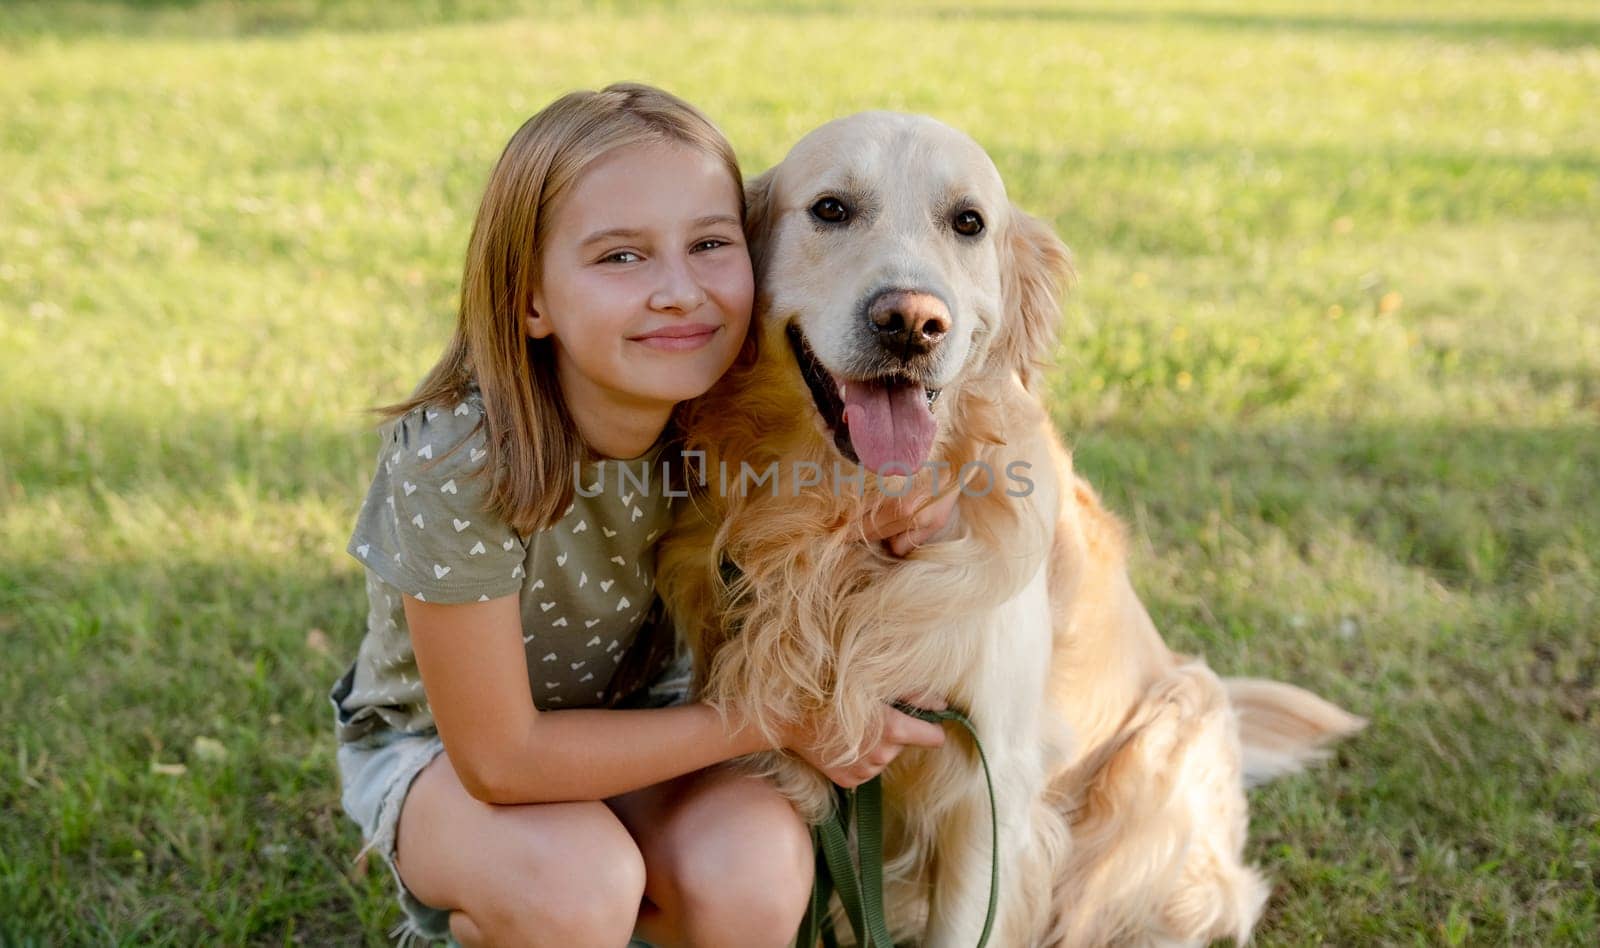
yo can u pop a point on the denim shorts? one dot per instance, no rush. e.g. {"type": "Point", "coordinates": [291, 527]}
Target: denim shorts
{"type": "Point", "coordinates": [374, 776]}
{"type": "Point", "coordinates": [376, 771]}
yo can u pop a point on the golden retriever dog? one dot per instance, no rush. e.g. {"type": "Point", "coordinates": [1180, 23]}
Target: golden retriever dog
{"type": "Point", "coordinates": [905, 309]}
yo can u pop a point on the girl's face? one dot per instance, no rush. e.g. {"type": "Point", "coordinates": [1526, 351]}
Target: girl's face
{"type": "Point", "coordinates": [645, 283]}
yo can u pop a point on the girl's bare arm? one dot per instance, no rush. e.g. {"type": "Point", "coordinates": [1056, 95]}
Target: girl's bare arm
{"type": "Point", "coordinates": [505, 751]}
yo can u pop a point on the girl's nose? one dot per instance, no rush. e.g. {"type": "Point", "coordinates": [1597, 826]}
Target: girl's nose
{"type": "Point", "coordinates": [678, 291]}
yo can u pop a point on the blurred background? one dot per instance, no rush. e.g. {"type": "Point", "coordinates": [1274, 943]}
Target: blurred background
{"type": "Point", "coordinates": [1334, 355]}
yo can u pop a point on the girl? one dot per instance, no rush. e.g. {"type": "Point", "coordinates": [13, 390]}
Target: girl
{"type": "Point", "coordinates": [503, 742]}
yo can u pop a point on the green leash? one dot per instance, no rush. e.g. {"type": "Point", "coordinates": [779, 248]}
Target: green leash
{"type": "Point", "coordinates": [861, 893]}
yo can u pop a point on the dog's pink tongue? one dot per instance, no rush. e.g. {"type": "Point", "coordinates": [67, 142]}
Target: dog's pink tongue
{"type": "Point", "coordinates": [889, 424]}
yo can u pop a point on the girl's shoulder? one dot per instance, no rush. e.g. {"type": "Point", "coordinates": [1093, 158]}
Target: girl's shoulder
{"type": "Point", "coordinates": [427, 527]}
{"type": "Point", "coordinates": [437, 431]}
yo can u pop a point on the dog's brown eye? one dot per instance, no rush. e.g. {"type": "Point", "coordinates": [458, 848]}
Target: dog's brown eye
{"type": "Point", "coordinates": [968, 224]}
{"type": "Point", "coordinates": [830, 211]}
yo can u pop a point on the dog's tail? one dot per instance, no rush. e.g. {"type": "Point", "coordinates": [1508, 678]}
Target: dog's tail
{"type": "Point", "coordinates": [1282, 728]}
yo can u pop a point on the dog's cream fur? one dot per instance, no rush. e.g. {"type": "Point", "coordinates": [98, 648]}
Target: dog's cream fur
{"type": "Point", "coordinates": [1119, 766]}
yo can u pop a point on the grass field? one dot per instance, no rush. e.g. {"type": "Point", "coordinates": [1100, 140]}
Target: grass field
{"type": "Point", "coordinates": [1335, 356]}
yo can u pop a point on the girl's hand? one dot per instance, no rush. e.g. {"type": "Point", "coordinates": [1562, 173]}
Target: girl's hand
{"type": "Point", "coordinates": [899, 732]}
{"type": "Point", "coordinates": [903, 528]}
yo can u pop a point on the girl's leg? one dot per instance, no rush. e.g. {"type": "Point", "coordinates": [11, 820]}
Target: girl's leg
{"type": "Point", "coordinates": [559, 874]}
{"type": "Point", "coordinates": [728, 861]}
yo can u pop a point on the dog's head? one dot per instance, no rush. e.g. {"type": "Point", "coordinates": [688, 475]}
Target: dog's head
{"type": "Point", "coordinates": [892, 266]}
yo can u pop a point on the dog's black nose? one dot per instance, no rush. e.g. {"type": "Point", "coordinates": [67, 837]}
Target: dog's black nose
{"type": "Point", "coordinates": [908, 323]}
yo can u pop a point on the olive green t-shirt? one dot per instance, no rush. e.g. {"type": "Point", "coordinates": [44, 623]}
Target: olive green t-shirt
{"type": "Point", "coordinates": [587, 583]}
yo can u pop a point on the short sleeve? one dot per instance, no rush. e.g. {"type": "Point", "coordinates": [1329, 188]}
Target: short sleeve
{"type": "Point", "coordinates": [425, 527]}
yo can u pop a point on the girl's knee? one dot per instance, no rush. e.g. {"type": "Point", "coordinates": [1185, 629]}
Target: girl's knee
{"type": "Point", "coordinates": [594, 895]}
{"type": "Point", "coordinates": [600, 913]}
{"type": "Point", "coordinates": [464, 930]}
{"type": "Point", "coordinates": [583, 895]}
{"type": "Point", "coordinates": [749, 888]}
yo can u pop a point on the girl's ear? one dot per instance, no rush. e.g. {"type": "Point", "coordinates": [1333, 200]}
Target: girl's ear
{"type": "Point", "coordinates": [758, 213]}
{"type": "Point", "coordinates": [1035, 268]}
{"type": "Point", "coordinates": [535, 325]}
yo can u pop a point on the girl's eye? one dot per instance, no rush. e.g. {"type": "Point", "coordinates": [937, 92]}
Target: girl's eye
{"type": "Point", "coordinates": [830, 210]}
{"type": "Point", "coordinates": [968, 223]}
{"type": "Point", "coordinates": [621, 256]}
{"type": "Point", "coordinates": [711, 243]}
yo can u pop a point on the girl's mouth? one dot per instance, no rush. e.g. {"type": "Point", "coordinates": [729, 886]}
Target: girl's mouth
{"type": "Point", "coordinates": [678, 338]}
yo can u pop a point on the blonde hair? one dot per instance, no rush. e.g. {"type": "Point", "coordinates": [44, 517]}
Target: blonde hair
{"type": "Point", "coordinates": [532, 442]}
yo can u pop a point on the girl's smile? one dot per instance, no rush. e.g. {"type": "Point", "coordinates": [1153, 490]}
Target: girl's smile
{"type": "Point", "coordinates": [680, 338]}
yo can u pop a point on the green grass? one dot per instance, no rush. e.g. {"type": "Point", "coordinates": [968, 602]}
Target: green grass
{"type": "Point", "coordinates": [1335, 355]}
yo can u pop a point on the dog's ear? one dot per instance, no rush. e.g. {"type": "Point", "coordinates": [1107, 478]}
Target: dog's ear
{"type": "Point", "coordinates": [757, 236]}
{"type": "Point", "coordinates": [758, 217]}
{"type": "Point", "coordinates": [1035, 269]}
